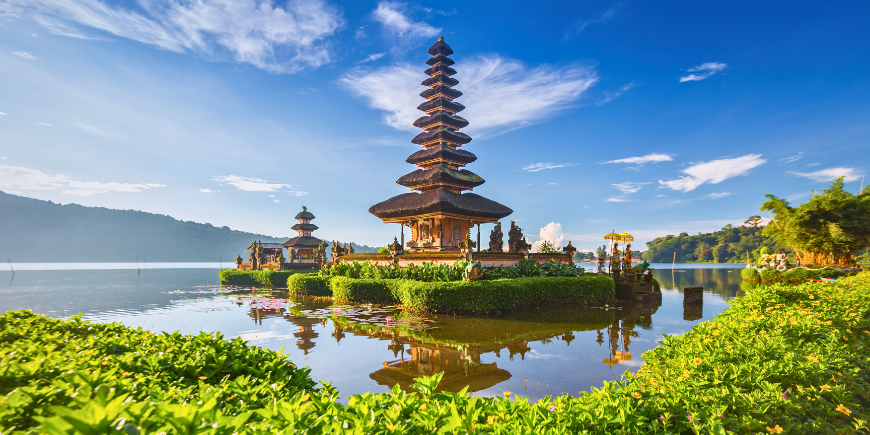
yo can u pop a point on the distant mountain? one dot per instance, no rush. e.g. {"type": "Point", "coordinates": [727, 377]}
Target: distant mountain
{"type": "Point", "coordinates": [33, 230]}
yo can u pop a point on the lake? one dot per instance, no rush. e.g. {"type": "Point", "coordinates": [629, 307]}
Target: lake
{"type": "Point", "coordinates": [532, 353]}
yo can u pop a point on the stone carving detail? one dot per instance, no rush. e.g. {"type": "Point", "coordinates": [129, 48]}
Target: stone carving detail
{"type": "Point", "coordinates": [496, 239]}
{"type": "Point", "coordinates": [516, 243]}
{"type": "Point", "coordinates": [570, 250]}
{"type": "Point", "coordinates": [473, 272]}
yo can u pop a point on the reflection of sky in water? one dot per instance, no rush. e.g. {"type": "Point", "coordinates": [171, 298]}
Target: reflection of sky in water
{"type": "Point", "coordinates": [531, 353]}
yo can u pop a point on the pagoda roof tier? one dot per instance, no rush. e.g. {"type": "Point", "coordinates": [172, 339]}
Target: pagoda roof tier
{"type": "Point", "coordinates": [440, 90]}
{"type": "Point", "coordinates": [440, 118]}
{"type": "Point", "coordinates": [438, 70]}
{"type": "Point", "coordinates": [439, 59]}
{"type": "Point", "coordinates": [304, 227]}
{"type": "Point", "coordinates": [441, 153]}
{"type": "Point", "coordinates": [439, 80]}
{"type": "Point", "coordinates": [441, 103]}
{"type": "Point", "coordinates": [441, 175]}
{"type": "Point", "coordinates": [441, 48]}
{"type": "Point", "coordinates": [439, 202]}
{"type": "Point", "coordinates": [302, 242]}
{"type": "Point", "coordinates": [304, 215]}
{"type": "Point", "coordinates": [441, 134]}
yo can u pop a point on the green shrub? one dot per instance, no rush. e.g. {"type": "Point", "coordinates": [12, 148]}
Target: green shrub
{"type": "Point", "coordinates": [656, 286]}
{"type": "Point", "coordinates": [309, 284]}
{"type": "Point", "coordinates": [750, 274]}
{"type": "Point", "coordinates": [268, 278]}
{"type": "Point", "coordinates": [782, 359]}
{"type": "Point", "coordinates": [373, 291]}
{"type": "Point", "coordinates": [792, 276]}
{"type": "Point", "coordinates": [482, 297]}
{"type": "Point", "coordinates": [448, 272]}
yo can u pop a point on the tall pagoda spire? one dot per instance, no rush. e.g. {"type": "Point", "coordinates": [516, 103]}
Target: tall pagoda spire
{"type": "Point", "coordinates": [440, 179]}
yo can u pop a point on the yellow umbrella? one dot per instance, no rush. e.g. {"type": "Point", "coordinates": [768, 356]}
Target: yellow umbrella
{"type": "Point", "coordinates": [625, 237]}
{"type": "Point", "coordinates": [612, 236]}
{"type": "Point", "coordinates": [610, 361]}
{"type": "Point", "coordinates": [623, 356]}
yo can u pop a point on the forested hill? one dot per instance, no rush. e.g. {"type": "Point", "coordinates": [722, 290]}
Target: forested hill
{"type": "Point", "coordinates": [33, 230]}
{"type": "Point", "coordinates": [728, 245]}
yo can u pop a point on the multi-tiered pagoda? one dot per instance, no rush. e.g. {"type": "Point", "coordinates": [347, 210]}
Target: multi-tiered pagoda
{"type": "Point", "coordinates": [302, 247]}
{"type": "Point", "coordinates": [440, 215]}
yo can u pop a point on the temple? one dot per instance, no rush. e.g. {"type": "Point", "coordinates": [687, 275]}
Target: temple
{"type": "Point", "coordinates": [302, 246]}
{"type": "Point", "coordinates": [439, 214]}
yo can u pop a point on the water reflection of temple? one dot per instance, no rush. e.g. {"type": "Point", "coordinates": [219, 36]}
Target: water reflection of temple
{"type": "Point", "coordinates": [621, 331]}
{"type": "Point", "coordinates": [304, 334]}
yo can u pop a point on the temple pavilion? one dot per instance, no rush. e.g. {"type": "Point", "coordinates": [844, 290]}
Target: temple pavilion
{"type": "Point", "coordinates": [302, 246]}
{"type": "Point", "coordinates": [439, 214]}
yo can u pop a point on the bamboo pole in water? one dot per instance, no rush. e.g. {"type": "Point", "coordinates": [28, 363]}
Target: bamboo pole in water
{"type": "Point", "coordinates": [674, 263]}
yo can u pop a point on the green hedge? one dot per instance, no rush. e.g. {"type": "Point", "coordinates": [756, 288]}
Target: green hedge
{"type": "Point", "coordinates": [791, 276]}
{"type": "Point", "coordinates": [309, 284]}
{"type": "Point", "coordinates": [268, 278]}
{"type": "Point", "coordinates": [782, 359]}
{"type": "Point", "coordinates": [372, 291]}
{"type": "Point", "coordinates": [483, 297]}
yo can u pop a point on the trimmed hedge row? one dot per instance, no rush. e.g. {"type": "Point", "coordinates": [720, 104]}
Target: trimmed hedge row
{"type": "Point", "coordinates": [269, 278]}
{"type": "Point", "coordinates": [792, 276]}
{"type": "Point", "coordinates": [309, 284]}
{"type": "Point", "coordinates": [478, 297]}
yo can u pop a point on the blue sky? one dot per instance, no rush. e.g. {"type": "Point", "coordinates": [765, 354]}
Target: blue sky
{"type": "Point", "coordinates": [647, 117]}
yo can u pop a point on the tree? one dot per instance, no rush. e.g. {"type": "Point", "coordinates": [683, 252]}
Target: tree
{"type": "Point", "coordinates": [828, 229]}
{"type": "Point", "coordinates": [601, 252]}
{"type": "Point", "coordinates": [754, 221]}
{"type": "Point", "coordinates": [547, 247]}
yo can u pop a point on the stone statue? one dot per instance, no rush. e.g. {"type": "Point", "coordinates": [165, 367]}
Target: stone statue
{"type": "Point", "coordinates": [570, 250]}
{"type": "Point", "coordinates": [600, 270]}
{"type": "Point", "coordinates": [496, 239]}
{"type": "Point", "coordinates": [239, 261]}
{"type": "Point", "coordinates": [280, 260]}
{"type": "Point", "coordinates": [626, 263]}
{"type": "Point", "coordinates": [516, 243]}
{"type": "Point", "coordinates": [614, 260]}
{"type": "Point", "coordinates": [350, 250]}
{"type": "Point", "coordinates": [473, 272]}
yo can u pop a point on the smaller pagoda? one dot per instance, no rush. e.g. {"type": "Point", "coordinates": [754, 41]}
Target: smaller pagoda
{"type": "Point", "coordinates": [302, 246]}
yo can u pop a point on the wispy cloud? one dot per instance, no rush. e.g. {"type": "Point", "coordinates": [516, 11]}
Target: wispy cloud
{"type": "Point", "coordinates": [822, 175]}
{"type": "Point", "coordinates": [612, 95]}
{"type": "Point", "coordinates": [713, 172]}
{"type": "Point", "coordinates": [403, 32]}
{"type": "Point", "coordinates": [43, 123]}
{"type": "Point", "coordinates": [583, 22]}
{"type": "Point", "coordinates": [717, 195]}
{"type": "Point", "coordinates": [704, 71]}
{"type": "Point", "coordinates": [618, 199]}
{"type": "Point", "coordinates": [535, 167]}
{"type": "Point", "coordinates": [629, 186]}
{"type": "Point", "coordinates": [793, 158]}
{"type": "Point", "coordinates": [252, 184]}
{"type": "Point", "coordinates": [498, 92]}
{"type": "Point", "coordinates": [2, 114]}
{"type": "Point", "coordinates": [281, 38]}
{"type": "Point", "coordinates": [372, 57]}
{"type": "Point", "coordinates": [277, 200]}
{"type": "Point", "coordinates": [208, 191]}
{"type": "Point", "coordinates": [642, 160]}
{"type": "Point", "coordinates": [20, 178]}
{"type": "Point", "coordinates": [25, 55]}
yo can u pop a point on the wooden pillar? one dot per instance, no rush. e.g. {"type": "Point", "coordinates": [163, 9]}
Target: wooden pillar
{"type": "Point", "coordinates": [478, 237]}
{"type": "Point", "coordinates": [403, 235]}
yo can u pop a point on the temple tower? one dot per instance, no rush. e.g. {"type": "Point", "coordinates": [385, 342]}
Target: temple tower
{"type": "Point", "coordinates": [439, 214]}
{"type": "Point", "coordinates": [302, 246]}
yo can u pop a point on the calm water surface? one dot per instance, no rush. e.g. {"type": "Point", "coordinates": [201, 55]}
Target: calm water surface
{"type": "Point", "coordinates": [362, 348]}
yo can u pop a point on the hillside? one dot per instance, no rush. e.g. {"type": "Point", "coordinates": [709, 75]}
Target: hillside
{"type": "Point", "coordinates": [33, 230]}
{"type": "Point", "coordinates": [728, 245]}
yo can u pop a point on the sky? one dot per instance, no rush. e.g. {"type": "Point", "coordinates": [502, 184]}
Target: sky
{"type": "Point", "coordinates": [651, 118]}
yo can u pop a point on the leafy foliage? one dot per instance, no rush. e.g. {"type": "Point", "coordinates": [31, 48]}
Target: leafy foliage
{"type": "Point", "coordinates": [429, 272]}
{"type": "Point", "coordinates": [828, 229]}
{"type": "Point", "coordinates": [268, 278]}
{"type": "Point", "coordinates": [782, 359]}
{"type": "Point", "coordinates": [728, 245]}
{"type": "Point", "coordinates": [793, 276]}
{"type": "Point", "coordinates": [547, 247]}
{"type": "Point", "coordinates": [309, 284]}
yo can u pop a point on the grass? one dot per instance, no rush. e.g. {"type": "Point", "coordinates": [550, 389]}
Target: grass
{"type": "Point", "coordinates": [782, 359]}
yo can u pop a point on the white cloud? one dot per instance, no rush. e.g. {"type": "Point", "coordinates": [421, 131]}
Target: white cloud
{"type": "Point", "coordinates": [271, 196]}
{"type": "Point", "coordinates": [552, 184]}
{"type": "Point", "coordinates": [612, 95]}
{"type": "Point", "coordinates": [830, 174]}
{"type": "Point", "coordinates": [25, 55]}
{"type": "Point", "coordinates": [704, 70]}
{"type": "Point", "coordinates": [2, 158]}
{"type": "Point", "coordinates": [552, 232]}
{"type": "Point", "coordinates": [278, 38]}
{"type": "Point", "coordinates": [581, 24]}
{"type": "Point", "coordinates": [498, 92]}
{"type": "Point", "coordinates": [2, 114]}
{"type": "Point", "coordinates": [15, 177]}
{"type": "Point", "coordinates": [629, 186]}
{"type": "Point", "coordinates": [297, 192]}
{"type": "Point", "coordinates": [793, 158]}
{"type": "Point", "coordinates": [661, 196]}
{"type": "Point", "coordinates": [42, 123]}
{"type": "Point", "coordinates": [372, 57]}
{"type": "Point", "coordinates": [814, 164]}
{"type": "Point", "coordinates": [277, 200]}
{"type": "Point", "coordinates": [618, 199]}
{"type": "Point", "coordinates": [713, 172]}
{"type": "Point", "coordinates": [717, 195]}
{"type": "Point", "coordinates": [535, 167]}
{"type": "Point", "coordinates": [403, 32]}
{"type": "Point", "coordinates": [208, 191]}
{"type": "Point", "coordinates": [642, 160]}
{"type": "Point", "coordinates": [251, 184]}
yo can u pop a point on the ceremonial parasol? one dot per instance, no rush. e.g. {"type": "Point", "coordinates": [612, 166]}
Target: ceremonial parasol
{"type": "Point", "coordinates": [612, 236]}
{"type": "Point", "coordinates": [625, 237]}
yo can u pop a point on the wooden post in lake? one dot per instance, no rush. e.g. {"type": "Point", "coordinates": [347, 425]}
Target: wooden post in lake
{"type": "Point", "coordinates": [674, 263]}
{"type": "Point", "coordinates": [693, 303]}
